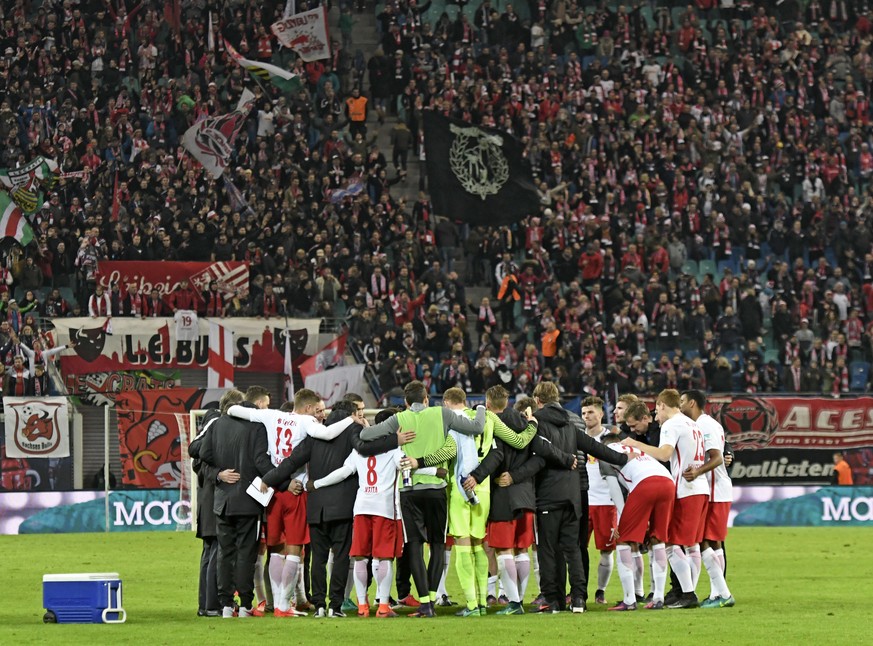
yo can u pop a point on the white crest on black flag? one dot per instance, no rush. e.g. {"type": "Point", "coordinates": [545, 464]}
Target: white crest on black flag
{"type": "Point", "coordinates": [477, 160]}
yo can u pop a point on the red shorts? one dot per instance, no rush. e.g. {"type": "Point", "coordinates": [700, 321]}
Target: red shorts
{"type": "Point", "coordinates": [517, 533]}
{"type": "Point", "coordinates": [716, 524]}
{"type": "Point", "coordinates": [450, 542]}
{"type": "Point", "coordinates": [647, 511]}
{"type": "Point", "coordinates": [601, 522]}
{"type": "Point", "coordinates": [377, 536]}
{"type": "Point", "coordinates": [286, 520]}
{"type": "Point", "coordinates": [689, 518]}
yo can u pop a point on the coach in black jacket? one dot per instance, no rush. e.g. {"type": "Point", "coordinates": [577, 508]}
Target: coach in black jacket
{"type": "Point", "coordinates": [207, 528]}
{"type": "Point", "coordinates": [330, 511]}
{"type": "Point", "coordinates": [242, 446]}
{"type": "Point", "coordinates": [559, 499]}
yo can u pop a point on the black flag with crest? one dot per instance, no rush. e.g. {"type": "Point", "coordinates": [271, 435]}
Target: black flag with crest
{"type": "Point", "coordinates": [477, 174]}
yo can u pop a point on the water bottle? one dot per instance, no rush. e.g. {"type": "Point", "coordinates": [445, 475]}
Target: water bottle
{"type": "Point", "coordinates": [406, 477]}
{"type": "Point", "coordinates": [472, 498]}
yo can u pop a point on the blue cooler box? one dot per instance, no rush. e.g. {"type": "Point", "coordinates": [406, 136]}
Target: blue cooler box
{"type": "Point", "coordinates": [82, 598]}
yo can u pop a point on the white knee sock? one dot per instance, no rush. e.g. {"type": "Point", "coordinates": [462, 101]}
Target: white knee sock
{"type": "Point", "coordinates": [441, 588]}
{"type": "Point", "coordinates": [717, 585]}
{"type": "Point", "coordinates": [694, 558]}
{"type": "Point", "coordinates": [638, 574]}
{"type": "Point", "coordinates": [301, 587]}
{"type": "Point", "coordinates": [350, 583]}
{"type": "Point", "coordinates": [384, 578]}
{"type": "Point", "coordinates": [492, 586]}
{"type": "Point", "coordinates": [289, 578]}
{"type": "Point", "coordinates": [682, 567]}
{"type": "Point", "coordinates": [508, 574]}
{"type": "Point", "coordinates": [626, 572]}
{"type": "Point", "coordinates": [260, 587]}
{"type": "Point", "coordinates": [719, 556]}
{"type": "Point", "coordinates": [277, 567]}
{"type": "Point", "coordinates": [522, 567]}
{"type": "Point", "coordinates": [651, 570]}
{"type": "Point", "coordinates": [360, 579]}
{"type": "Point", "coordinates": [536, 566]}
{"type": "Point", "coordinates": [659, 571]}
{"type": "Point", "coordinates": [604, 570]}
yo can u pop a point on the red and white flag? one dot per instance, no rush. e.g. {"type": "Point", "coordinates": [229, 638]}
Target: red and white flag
{"type": "Point", "coordinates": [329, 356]}
{"type": "Point", "coordinates": [219, 373]}
{"type": "Point", "coordinates": [305, 33]}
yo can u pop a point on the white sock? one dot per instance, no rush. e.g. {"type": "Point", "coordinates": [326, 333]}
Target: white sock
{"type": "Point", "coordinates": [651, 570]}
{"type": "Point", "coordinates": [289, 577]}
{"type": "Point", "coordinates": [626, 572]}
{"type": "Point", "coordinates": [492, 586]}
{"type": "Point", "coordinates": [350, 582]}
{"type": "Point", "coordinates": [359, 569]}
{"type": "Point", "coordinates": [301, 588]}
{"type": "Point", "coordinates": [501, 592]}
{"type": "Point", "coordinates": [329, 562]}
{"type": "Point", "coordinates": [441, 588]}
{"type": "Point", "coordinates": [508, 574]}
{"type": "Point", "coordinates": [604, 570]}
{"type": "Point", "coordinates": [694, 558]}
{"type": "Point", "coordinates": [260, 587]}
{"type": "Point", "coordinates": [536, 566]}
{"type": "Point", "coordinates": [277, 566]}
{"type": "Point", "coordinates": [384, 578]}
{"type": "Point", "coordinates": [658, 564]}
{"type": "Point", "coordinates": [638, 574]}
{"type": "Point", "coordinates": [719, 556]}
{"type": "Point", "coordinates": [717, 585]}
{"type": "Point", "coordinates": [522, 567]}
{"type": "Point", "coordinates": [682, 567]}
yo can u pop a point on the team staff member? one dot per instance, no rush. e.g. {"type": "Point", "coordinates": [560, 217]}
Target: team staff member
{"type": "Point", "coordinates": [330, 510]}
{"type": "Point", "coordinates": [423, 506]}
{"type": "Point", "coordinates": [692, 403]}
{"type": "Point", "coordinates": [559, 499]}
{"type": "Point", "coordinates": [242, 447]}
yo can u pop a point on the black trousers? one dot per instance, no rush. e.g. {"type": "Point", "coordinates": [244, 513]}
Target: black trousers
{"type": "Point", "coordinates": [403, 576]}
{"type": "Point", "coordinates": [557, 549]}
{"type": "Point", "coordinates": [583, 541]}
{"type": "Point", "coordinates": [207, 598]}
{"type": "Point", "coordinates": [237, 553]}
{"type": "Point", "coordinates": [333, 535]}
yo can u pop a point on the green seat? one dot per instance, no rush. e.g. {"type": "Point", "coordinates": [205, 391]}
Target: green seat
{"type": "Point", "coordinates": [707, 267]}
{"type": "Point", "coordinates": [690, 267]}
{"type": "Point", "coordinates": [771, 355]}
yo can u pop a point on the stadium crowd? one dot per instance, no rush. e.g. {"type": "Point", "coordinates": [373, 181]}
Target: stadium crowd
{"type": "Point", "coordinates": [704, 173]}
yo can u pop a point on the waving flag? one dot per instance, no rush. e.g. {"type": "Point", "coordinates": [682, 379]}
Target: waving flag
{"type": "Point", "coordinates": [13, 223]}
{"type": "Point", "coordinates": [26, 184]}
{"type": "Point", "coordinates": [211, 140]}
{"type": "Point", "coordinates": [282, 79]}
{"type": "Point", "coordinates": [329, 356]}
{"type": "Point", "coordinates": [219, 373]}
{"type": "Point", "coordinates": [305, 33]}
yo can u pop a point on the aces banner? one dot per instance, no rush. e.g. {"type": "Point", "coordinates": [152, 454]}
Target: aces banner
{"type": "Point", "coordinates": [149, 433]}
{"type": "Point", "coordinates": [151, 344]}
{"type": "Point", "coordinates": [165, 276]}
{"type": "Point", "coordinates": [37, 427]}
{"type": "Point", "coordinates": [305, 33]}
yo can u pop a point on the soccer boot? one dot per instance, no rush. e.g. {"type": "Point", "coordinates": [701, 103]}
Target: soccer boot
{"type": "Point", "coordinates": [548, 609]}
{"type": "Point", "coordinates": [260, 609]}
{"type": "Point", "coordinates": [385, 612]}
{"type": "Point", "coordinates": [363, 610]}
{"type": "Point", "coordinates": [502, 600]}
{"type": "Point", "coordinates": [425, 611]}
{"type": "Point", "coordinates": [578, 606]}
{"type": "Point", "coordinates": [282, 614]}
{"type": "Point", "coordinates": [600, 597]}
{"type": "Point", "coordinates": [622, 606]}
{"type": "Point", "coordinates": [245, 612]}
{"type": "Point", "coordinates": [409, 601]}
{"type": "Point", "coordinates": [685, 600]}
{"type": "Point", "coordinates": [512, 608]}
{"type": "Point", "coordinates": [468, 612]}
{"type": "Point", "coordinates": [336, 614]}
{"type": "Point", "coordinates": [320, 613]}
{"type": "Point", "coordinates": [655, 605]}
{"type": "Point", "coordinates": [444, 601]}
{"type": "Point", "coordinates": [491, 600]}
{"type": "Point", "coordinates": [349, 605]}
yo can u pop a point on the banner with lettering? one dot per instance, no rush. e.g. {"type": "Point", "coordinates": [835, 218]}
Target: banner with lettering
{"type": "Point", "coordinates": [151, 344]}
{"type": "Point", "coordinates": [165, 276]}
{"type": "Point", "coordinates": [101, 388]}
{"type": "Point", "coordinates": [37, 427]}
{"type": "Point", "coordinates": [149, 433]}
{"type": "Point", "coordinates": [305, 33]}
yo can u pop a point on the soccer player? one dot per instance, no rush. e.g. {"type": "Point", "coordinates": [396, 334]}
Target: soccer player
{"type": "Point", "coordinates": [692, 403]}
{"type": "Point", "coordinates": [651, 493]}
{"type": "Point", "coordinates": [510, 529]}
{"type": "Point", "coordinates": [681, 444]}
{"type": "Point", "coordinates": [287, 529]}
{"type": "Point", "coordinates": [602, 519]}
{"type": "Point", "coordinates": [377, 532]}
{"type": "Point", "coordinates": [424, 505]}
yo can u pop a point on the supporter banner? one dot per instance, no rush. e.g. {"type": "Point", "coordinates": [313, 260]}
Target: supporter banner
{"type": "Point", "coordinates": [149, 424]}
{"type": "Point", "coordinates": [477, 174]}
{"type": "Point", "coordinates": [139, 344]}
{"type": "Point", "coordinates": [757, 422]}
{"type": "Point", "coordinates": [165, 276]}
{"type": "Point", "coordinates": [210, 141]}
{"type": "Point", "coordinates": [805, 507]}
{"type": "Point", "coordinates": [331, 355]}
{"type": "Point", "coordinates": [788, 466]}
{"type": "Point", "coordinates": [101, 388]}
{"type": "Point", "coordinates": [305, 33]}
{"type": "Point", "coordinates": [37, 427]}
{"type": "Point", "coordinates": [333, 384]}
{"type": "Point", "coordinates": [137, 510]}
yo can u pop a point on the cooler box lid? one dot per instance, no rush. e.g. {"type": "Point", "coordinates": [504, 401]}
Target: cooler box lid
{"type": "Point", "coordinates": [92, 576]}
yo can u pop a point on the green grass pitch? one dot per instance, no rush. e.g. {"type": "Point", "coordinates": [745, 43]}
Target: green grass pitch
{"type": "Point", "coordinates": [793, 586]}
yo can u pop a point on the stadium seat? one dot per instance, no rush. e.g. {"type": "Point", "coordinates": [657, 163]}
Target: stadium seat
{"type": "Point", "coordinates": [690, 267]}
{"type": "Point", "coordinates": [647, 15]}
{"type": "Point", "coordinates": [859, 372]}
{"type": "Point", "coordinates": [707, 267]}
{"type": "Point", "coordinates": [691, 354]}
{"type": "Point", "coordinates": [726, 264]}
{"type": "Point", "coordinates": [67, 295]}
{"type": "Point", "coordinates": [771, 355]}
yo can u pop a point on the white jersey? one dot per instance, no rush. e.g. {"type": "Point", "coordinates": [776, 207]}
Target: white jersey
{"type": "Point", "coordinates": [635, 471]}
{"type": "Point", "coordinates": [187, 328]}
{"type": "Point", "coordinates": [720, 486]}
{"type": "Point", "coordinates": [377, 483]}
{"type": "Point", "coordinates": [285, 431]}
{"type": "Point", "coordinates": [598, 491]}
{"type": "Point", "coordinates": [685, 437]}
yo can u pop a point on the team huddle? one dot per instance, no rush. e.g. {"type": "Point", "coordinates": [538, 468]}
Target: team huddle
{"type": "Point", "coordinates": [502, 492]}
